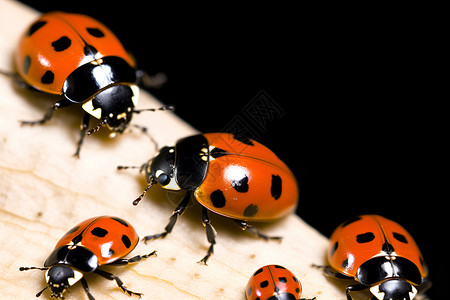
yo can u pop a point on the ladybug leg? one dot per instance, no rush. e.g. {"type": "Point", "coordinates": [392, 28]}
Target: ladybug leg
{"type": "Point", "coordinates": [124, 261]}
{"type": "Point", "coordinates": [119, 282]}
{"type": "Point", "coordinates": [330, 272]}
{"type": "Point", "coordinates": [425, 286]}
{"type": "Point", "coordinates": [86, 288]}
{"type": "Point", "coordinates": [172, 220]}
{"type": "Point", "coordinates": [144, 130]}
{"type": "Point", "coordinates": [49, 114]}
{"type": "Point", "coordinates": [147, 81]}
{"type": "Point", "coordinates": [210, 235]}
{"type": "Point", "coordinates": [83, 128]}
{"type": "Point", "coordinates": [18, 81]}
{"type": "Point", "coordinates": [255, 231]}
{"type": "Point", "coordinates": [354, 288]}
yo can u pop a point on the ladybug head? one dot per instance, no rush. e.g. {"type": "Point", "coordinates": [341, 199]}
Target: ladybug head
{"type": "Point", "coordinates": [161, 169]}
{"type": "Point", "coordinates": [114, 106]}
{"type": "Point", "coordinates": [395, 289]}
{"type": "Point", "coordinates": [59, 278]}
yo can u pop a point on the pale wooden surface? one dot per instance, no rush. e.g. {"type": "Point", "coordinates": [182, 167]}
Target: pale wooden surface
{"type": "Point", "coordinates": [44, 191]}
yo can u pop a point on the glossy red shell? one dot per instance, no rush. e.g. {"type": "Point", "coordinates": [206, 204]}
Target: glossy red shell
{"type": "Point", "coordinates": [248, 183]}
{"type": "Point", "coordinates": [272, 280]}
{"type": "Point", "coordinates": [109, 238]}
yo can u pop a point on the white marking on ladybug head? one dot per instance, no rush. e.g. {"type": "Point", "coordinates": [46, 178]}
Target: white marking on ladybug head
{"type": "Point", "coordinates": [77, 276]}
{"type": "Point", "coordinates": [135, 97]}
{"type": "Point", "coordinates": [89, 108]}
{"type": "Point", "coordinates": [376, 292]}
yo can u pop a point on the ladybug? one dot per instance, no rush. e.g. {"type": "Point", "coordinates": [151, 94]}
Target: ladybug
{"type": "Point", "coordinates": [231, 176]}
{"type": "Point", "coordinates": [380, 255]}
{"type": "Point", "coordinates": [79, 59]}
{"type": "Point", "coordinates": [91, 244]}
{"type": "Point", "coordinates": [274, 282]}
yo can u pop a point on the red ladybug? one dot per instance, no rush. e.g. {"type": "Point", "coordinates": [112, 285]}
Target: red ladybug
{"type": "Point", "coordinates": [234, 177]}
{"type": "Point", "coordinates": [93, 243]}
{"type": "Point", "coordinates": [380, 255]}
{"type": "Point", "coordinates": [81, 60]}
{"type": "Point", "coordinates": [273, 282]}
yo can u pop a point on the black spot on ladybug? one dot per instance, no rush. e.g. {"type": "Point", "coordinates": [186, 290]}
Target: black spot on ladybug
{"type": "Point", "coordinates": [26, 64]}
{"type": "Point", "coordinates": [297, 290]}
{"type": "Point", "coordinates": [124, 223]}
{"type": "Point", "coordinates": [282, 279]}
{"type": "Point", "coordinates": [264, 284]}
{"type": "Point", "coordinates": [334, 248]}
{"type": "Point", "coordinates": [126, 241]}
{"type": "Point", "coordinates": [365, 237]}
{"type": "Point", "coordinates": [100, 232]}
{"type": "Point", "coordinates": [279, 267]}
{"type": "Point", "coordinates": [276, 187]}
{"type": "Point", "coordinates": [240, 185]}
{"type": "Point", "coordinates": [345, 263]}
{"type": "Point", "coordinates": [48, 77]}
{"type": "Point", "coordinates": [243, 139]}
{"type": "Point", "coordinates": [295, 279]}
{"type": "Point", "coordinates": [400, 237]}
{"type": "Point", "coordinates": [257, 272]}
{"type": "Point", "coordinates": [218, 199]}
{"type": "Point", "coordinates": [251, 210]}
{"type": "Point", "coordinates": [352, 220]}
{"type": "Point", "coordinates": [61, 44]}
{"type": "Point", "coordinates": [217, 152]}
{"type": "Point", "coordinates": [95, 32]}
{"type": "Point", "coordinates": [35, 27]}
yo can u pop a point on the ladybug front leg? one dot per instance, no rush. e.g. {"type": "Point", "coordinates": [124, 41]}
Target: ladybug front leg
{"type": "Point", "coordinates": [150, 82]}
{"type": "Point", "coordinates": [83, 128]}
{"type": "Point", "coordinates": [119, 282]}
{"type": "Point", "coordinates": [49, 114]}
{"type": "Point", "coordinates": [173, 219]}
{"type": "Point", "coordinates": [355, 288]}
{"type": "Point", "coordinates": [86, 288]}
{"type": "Point", "coordinates": [210, 235]}
{"type": "Point", "coordinates": [255, 231]}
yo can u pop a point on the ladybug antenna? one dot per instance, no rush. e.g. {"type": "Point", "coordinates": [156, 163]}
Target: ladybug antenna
{"type": "Point", "coordinates": [138, 199]}
{"type": "Point", "coordinates": [32, 268]}
{"type": "Point", "coordinates": [40, 293]}
{"type": "Point", "coordinates": [97, 128]}
{"type": "Point", "coordinates": [162, 108]}
{"type": "Point", "coordinates": [145, 131]}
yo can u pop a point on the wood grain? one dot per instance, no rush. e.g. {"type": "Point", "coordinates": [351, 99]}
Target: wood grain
{"type": "Point", "coordinates": [44, 191]}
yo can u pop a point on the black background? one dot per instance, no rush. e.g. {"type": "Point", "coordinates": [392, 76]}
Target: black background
{"type": "Point", "coordinates": [356, 90]}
